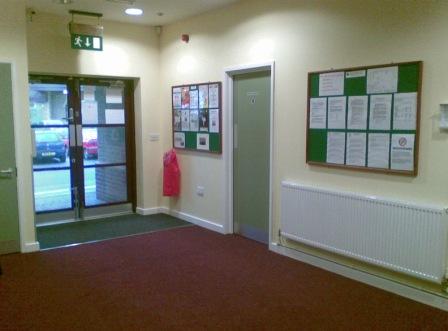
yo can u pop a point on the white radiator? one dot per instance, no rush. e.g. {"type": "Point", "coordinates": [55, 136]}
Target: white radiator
{"type": "Point", "coordinates": [403, 237]}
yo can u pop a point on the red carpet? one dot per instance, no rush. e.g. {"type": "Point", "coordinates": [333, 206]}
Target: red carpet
{"type": "Point", "coordinates": [192, 279]}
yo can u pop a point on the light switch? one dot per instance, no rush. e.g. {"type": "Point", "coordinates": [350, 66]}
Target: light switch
{"type": "Point", "coordinates": [154, 137]}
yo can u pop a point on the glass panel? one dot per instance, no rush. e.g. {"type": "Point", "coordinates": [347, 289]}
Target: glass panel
{"type": "Point", "coordinates": [102, 105]}
{"type": "Point", "coordinates": [114, 95]}
{"type": "Point", "coordinates": [105, 185]}
{"type": "Point", "coordinates": [104, 145]}
{"type": "Point", "coordinates": [52, 190]}
{"type": "Point", "coordinates": [50, 148]}
{"type": "Point", "coordinates": [48, 104]}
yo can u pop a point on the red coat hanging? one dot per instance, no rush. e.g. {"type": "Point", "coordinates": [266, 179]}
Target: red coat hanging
{"type": "Point", "coordinates": [171, 174]}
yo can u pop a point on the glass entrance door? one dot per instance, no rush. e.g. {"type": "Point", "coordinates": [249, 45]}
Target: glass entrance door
{"type": "Point", "coordinates": [104, 150]}
{"type": "Point", "coordinates": [82, 158]}
{"type": "Point", "coordinates": [52, 169]}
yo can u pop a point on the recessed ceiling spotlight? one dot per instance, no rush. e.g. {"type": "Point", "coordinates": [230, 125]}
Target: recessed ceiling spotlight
{"type": "Point", "coordinates": [134, 11]}
{"type": "Point", "coordinates": [63, 2]}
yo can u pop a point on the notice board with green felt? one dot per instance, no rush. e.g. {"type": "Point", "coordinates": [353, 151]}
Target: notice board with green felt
{"type": "Point", "coordinates": [365, 118]}
{"type": "Point", "coordinates": [196, 110]}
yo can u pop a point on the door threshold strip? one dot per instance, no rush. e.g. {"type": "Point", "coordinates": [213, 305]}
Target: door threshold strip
{"type": "Point", "coordinates": [112, 238]}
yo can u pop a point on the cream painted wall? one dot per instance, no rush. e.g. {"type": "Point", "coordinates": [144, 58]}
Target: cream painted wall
{"type": "Point", "coordinates": [128, 51]}
{"type": "Point", "coordinates": [303, 36]}
{"type": "Point", "coordinates": [13, 49]}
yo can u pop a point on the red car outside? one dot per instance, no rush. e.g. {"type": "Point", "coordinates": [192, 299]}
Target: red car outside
{"type": "Point", "coordinates": [90, 149]}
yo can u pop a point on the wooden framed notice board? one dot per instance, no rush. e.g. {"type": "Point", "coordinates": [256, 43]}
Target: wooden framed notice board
{"type": "Point", "coordinates": [365, 118]}
{"type": "Point", "coordinates": [197, 112]}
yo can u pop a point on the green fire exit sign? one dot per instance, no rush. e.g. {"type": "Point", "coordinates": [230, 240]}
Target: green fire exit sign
{"type": "Point", "coordinates": [91, 43]}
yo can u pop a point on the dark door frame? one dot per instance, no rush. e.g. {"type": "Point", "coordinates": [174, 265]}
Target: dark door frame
{"type": "Point", "coordinates": [73, 83]}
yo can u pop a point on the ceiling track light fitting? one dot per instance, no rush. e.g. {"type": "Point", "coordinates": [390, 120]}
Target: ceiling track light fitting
{"type": "Point", "coordinates": [126, 2]}
{"type": "Point", "coordinates": [63, 2]}
{"type": "Point", "coordinates": [85, 13]}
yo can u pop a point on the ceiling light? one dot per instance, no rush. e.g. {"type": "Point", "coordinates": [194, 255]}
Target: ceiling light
{"type": "Point", "coordinates": [134, 11]}
{"type": "Point", "coordinates": [63, 2]}
{"type": "Point", "coordinates": [128, 2]}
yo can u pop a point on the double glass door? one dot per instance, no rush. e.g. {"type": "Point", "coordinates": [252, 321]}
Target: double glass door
{"type": "Point", "coordinates": [82, 147]}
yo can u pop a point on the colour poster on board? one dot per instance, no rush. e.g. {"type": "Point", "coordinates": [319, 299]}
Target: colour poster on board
{"type": "Point", "coordinates": [197, 114]}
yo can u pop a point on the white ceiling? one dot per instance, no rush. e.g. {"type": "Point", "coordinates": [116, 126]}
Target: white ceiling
{"type": "Point", "coordinates": [173, 10]}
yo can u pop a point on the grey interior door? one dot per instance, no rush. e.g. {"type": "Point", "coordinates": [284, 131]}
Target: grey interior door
{"type": "Point", "coordinates": [251, 113]}
{"type": "Point", "coordinates": [9, 215]}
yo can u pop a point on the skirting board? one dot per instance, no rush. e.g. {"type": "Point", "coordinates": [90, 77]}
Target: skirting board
{"type": "Point", "coordinates": [149, 211]}
{"type": "Point", "coordinates": [363, 277]}
{"type": "Point", "coordinates": [183, 216]}
{"type": "Point", "coordinates": [31, 247]}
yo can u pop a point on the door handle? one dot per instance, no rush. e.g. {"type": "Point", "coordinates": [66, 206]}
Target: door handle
{"type": "Point", "coordinates": [79, 135]}
{"type": "Point", "coordinates": [6, 173]}
{"type": "Point", "coordinates": [70, 117]}
{"type": "Point", "coordinates": [72, 132]}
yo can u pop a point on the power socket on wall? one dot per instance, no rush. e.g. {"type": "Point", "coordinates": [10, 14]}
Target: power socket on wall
{"type": "Point", "coordinates": [200, 191]}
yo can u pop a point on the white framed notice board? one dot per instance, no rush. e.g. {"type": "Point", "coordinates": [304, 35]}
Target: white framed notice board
{"type": "Point", "coordinates": [365, 118]}
{"type": "Point", "coordinates": [197, 112]}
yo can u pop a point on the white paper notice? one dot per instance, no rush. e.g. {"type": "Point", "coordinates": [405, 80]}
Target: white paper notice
{"type": "Point", "coordinates": [203, 96]}
{"type": "Point", "coordinates": [214, 120]}
{"type": "Point", "coordinates": [202, 141]}
{"type": "Point", "coordinates": [318, 113]}
{"type": "Point", "coordinates": [194, 98]}
{"type": "Point", "coordinates": [185, 120]}
{"type": "Point", "coordinates": [335, 147]}
{"type": "Point", "coordinates": [357, 112]}
{"type": "Point", "coordinates": [177, 100]}
{"type": "Point", "coordinates": [378, 156]}
{"type": "Point", "coordinates": [194, 120]}
{"type": "Point", "coordinates": [380, 107]}
{"type": "Point", "coordinates": [331, 84]}
{"type": "Point", "coordinates": [402, 152]}
{"type": "Point", "coordinates": [356, 149]}
{"type": "Point", "coordinates": [382, 80]}
{"type": "Point", "coordinates": [405, 111]}
{"type": "Point", "coordinates": [336, 112]}
{"type": "Point", "coordinates": [179, 139]}
{"type": "Point", "coordinates": [177, 121]}
{"type": "Point", "coordinates": [213, 94]}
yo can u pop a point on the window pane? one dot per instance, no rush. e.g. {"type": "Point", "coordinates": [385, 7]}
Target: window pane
{"type": "Point", "coordinates": [105, 185]}
{"type": "Point", "coordinates": [52, 190]}
{"type": "Point", "coordinates": [114, 95]}
{"type": "Point", "coordinates": [104, 145]}
{"type": "Point", "coordinates": [102, 105]}
{"type": "Point", "coordinates": [50, 148]}
{"type": "Point", "coordinates": [48, 104]}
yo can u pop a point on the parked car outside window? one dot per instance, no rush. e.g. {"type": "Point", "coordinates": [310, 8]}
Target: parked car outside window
{"type": "Point", "coordinates": [90, 149]}
{"type": "Point", "coordinates": [49, 146]}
